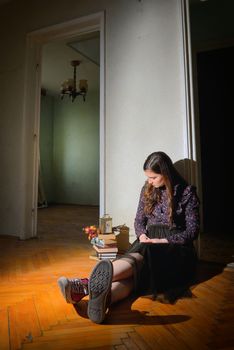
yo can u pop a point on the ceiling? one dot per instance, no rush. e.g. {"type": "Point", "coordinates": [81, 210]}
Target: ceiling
{"type": "Point", "coordinates": [56, 62]}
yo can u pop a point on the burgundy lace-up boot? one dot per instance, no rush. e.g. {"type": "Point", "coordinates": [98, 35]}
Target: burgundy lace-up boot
{"type": "Point", "coordinates": [73, 290]}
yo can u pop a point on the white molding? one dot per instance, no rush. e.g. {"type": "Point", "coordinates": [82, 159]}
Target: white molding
{"type": "Point", "coordinates": [190, 128]}
{"type": "Point", "coordinates": [102, 164]}
{"type": "Point", "coordinates": [31, 107]}
{"type": "Point", "coordinates": [31, 119]}
{"type": "Point", "coordinates": [69, 29]}
{"type": "Point", "coordinates": [36, 137]}
{"type": "Point", "coordinates": [191, 170]}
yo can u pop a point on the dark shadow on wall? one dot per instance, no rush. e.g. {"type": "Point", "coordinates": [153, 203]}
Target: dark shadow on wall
{"type": "Point", "coordinates": [187, 168]}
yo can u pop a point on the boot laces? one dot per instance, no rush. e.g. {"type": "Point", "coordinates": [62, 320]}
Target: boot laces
{"type": "Point", "coordinates": [77, 286]}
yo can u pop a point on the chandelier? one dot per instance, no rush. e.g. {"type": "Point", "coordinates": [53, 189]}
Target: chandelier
{"type": "Point", "coordinates": [68, 87]}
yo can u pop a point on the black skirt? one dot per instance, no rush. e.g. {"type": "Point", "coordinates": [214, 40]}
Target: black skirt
{"type": "Point", "coordinates": [166, 267]}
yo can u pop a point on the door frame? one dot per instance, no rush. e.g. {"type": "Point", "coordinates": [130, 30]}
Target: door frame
{"type": "Point", "coordinates": [196, 49]}
{"type": "Point", "coordinates": [191, 127]}
{"type": "Point", "coordinates": [31, 109]}
{"type": "Point", "coordinates": [190, 169]}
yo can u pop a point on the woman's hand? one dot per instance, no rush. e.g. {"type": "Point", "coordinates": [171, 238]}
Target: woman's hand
{"type": "Point", "coordinates": [145, 239]}
{"type": "Point", "coordinates": [159, 240]}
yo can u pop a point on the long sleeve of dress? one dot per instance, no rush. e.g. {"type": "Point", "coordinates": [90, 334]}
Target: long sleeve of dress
{"type": "Point", "coordinates": [140, 219]}
{"type": "Point", "coordinates": [189, 208]}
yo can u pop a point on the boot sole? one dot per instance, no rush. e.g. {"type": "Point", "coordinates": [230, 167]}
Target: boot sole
{"type": "Point", "coordinates": [99, 287]}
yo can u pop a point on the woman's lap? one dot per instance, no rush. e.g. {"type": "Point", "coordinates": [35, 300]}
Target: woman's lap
{"type": "Point", "coordinates": [165, 266]}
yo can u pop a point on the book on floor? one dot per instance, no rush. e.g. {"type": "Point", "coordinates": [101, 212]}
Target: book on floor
{"type": "Point", "coordinates": [109, 251]}
{"type": "Point", "coordinates": [108, 248]}
{"type": "Point", "coordinates": [102, 257]}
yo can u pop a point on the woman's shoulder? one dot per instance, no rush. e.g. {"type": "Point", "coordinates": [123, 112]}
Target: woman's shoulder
{"type": "Point", "coordinates": [190, 189]}
{"type": "Point", "coordinates": [142, 191]}
{"type": "Point", "coordinates": [143, 188]}
{"type": "Point", "coordinates": [186, 191]}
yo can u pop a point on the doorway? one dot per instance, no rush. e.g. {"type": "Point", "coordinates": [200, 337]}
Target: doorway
{"type": "Point", "coordinates": [69, 129]}
{"type": "Point", "coordinates": [215, 73]}
{"type": "Point", "coordinates": [35, 42]}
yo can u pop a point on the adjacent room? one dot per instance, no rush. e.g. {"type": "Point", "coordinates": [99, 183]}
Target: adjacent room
{"type": "Point", "coordinates": [69, 127]}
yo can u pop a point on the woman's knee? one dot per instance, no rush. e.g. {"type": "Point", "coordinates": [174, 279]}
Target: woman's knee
{"type": "Point", "coordinates": [137, 256]}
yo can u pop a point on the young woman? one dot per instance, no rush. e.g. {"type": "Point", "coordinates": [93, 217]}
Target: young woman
{"type": "Point", "coordinates": [162, 258]}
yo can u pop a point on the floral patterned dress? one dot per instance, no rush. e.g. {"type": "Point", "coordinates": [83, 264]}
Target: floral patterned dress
{"type": "Point", "coordinates": [170, 265]}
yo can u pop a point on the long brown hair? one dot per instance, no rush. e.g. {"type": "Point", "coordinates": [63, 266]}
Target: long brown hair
{"type": "Point", "coordinates": [161, 163]}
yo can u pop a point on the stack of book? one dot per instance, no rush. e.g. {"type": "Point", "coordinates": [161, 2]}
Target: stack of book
{"type": "Point", "coordinates": [109, 251]}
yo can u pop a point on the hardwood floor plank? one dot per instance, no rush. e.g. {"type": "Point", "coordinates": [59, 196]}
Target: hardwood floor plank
{"type": "Point", "coordinates": [130, 344]}
{"type": "Point", "coordinates": [76, 341]}
{"type": "Point", "coordinates": [15, 340]}
{"type": "Point", "coordinates": [120, 347]}
{"type": "Point", "coordinates": [137, 339]}
{"type": "Point", "coordinates": [4, 330]}
{"type": "Point", "coordinates": [33, 326]}
{"type": "Point", "coordinates": [27, 321]}
{"type": "Point", "coordinates": [45, 312]}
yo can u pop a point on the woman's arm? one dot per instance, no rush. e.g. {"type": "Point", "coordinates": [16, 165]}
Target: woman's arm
{"type": "Point", "coordinates": [141, 219]}
{"type": "Point", "coordinates": [190, 205]}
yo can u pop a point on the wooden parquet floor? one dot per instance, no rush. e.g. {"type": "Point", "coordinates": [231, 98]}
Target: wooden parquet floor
{"type": "Point", "coordinates": [34, 315]}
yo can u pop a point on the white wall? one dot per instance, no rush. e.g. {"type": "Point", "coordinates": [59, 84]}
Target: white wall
{"type": "Point", "coordinates": [145, 102]}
